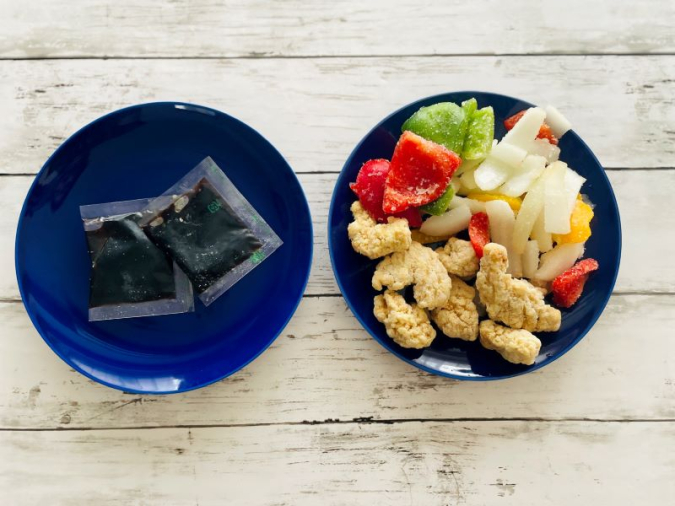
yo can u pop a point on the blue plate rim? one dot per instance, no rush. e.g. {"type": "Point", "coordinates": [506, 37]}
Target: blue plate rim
{"type": "Point", "coordinates": [169, 103]}
{"type": "Point", "coordinates": [613, 202]}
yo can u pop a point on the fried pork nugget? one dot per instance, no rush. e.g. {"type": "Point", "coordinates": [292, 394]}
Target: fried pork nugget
{"type": "Point", "coordinates": [407, 324]}
{"type": "Point", "coordinates": [514, 302]}
{"type": "Point", "coordinates": [459, 258]}
{"type": "Point", "coordinates": [418, 266]}
{"type": "Point", "coordinates": [459, 316]}
{"type": "Point", "coordinates": [376, 240]}
{"type": "Point", "coordinates": [517, 346]}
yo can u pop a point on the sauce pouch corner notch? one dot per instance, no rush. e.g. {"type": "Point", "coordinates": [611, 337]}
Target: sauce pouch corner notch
{"type": "Point", "coordinates": [210, 230]}
{"type": "Point", "coordinates": [130, 276]}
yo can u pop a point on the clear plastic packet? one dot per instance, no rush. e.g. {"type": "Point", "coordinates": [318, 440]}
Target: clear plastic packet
{"type": "Point", "coordinates": [209, 229]}
{"type": "Point", "coordinates": [130, 276]}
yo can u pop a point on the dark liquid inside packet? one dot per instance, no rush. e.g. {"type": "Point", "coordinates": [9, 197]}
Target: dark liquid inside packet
{"type": "Point", "coordinates": [126, 267]}
{"type": "Point", "coordinates": [204, 236]}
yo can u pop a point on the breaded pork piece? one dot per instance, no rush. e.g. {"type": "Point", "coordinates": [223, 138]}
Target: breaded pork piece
{"type": "Point", "coordinates": [407, 324]}
{"type": "Point", "coordinates": [418, 266]}
{"type": "Point", "coordinates": [514, 302]}
{"type": "Point", "coordinates": [459, 258]}
{"type": "Point", "coordinates": [376, 240]}
{"type": "Point", "coordinates": [517, 346]}
{"type": "Point", "coordinates": [459, 316]}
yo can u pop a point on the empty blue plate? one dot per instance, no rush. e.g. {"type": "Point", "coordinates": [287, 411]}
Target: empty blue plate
{"type": "Point", "coordinates": [140, 152]}
{"type": "Point", "coordinates": [452, 357]}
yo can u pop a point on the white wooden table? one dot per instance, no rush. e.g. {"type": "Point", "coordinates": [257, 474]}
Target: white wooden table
{"type": "Point", "coordinates": [326, 416]}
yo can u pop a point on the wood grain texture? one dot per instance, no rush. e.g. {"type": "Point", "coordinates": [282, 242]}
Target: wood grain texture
{"type": "Point", "coordinates": [316, 110]}
{"type": "Point", "coordinates": [639, 193]}
{"type": "Point", "coordinates": [185, 28]}
{"type": "Point", "coordinates": [435, 464]}
{"type": "Point", "coordinates": [325, 366]}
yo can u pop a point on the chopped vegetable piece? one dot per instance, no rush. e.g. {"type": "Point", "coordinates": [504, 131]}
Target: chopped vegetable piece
{"type": "Point", "coordinates": [474, 205]}
{"type": "Point", "coordinates": [479, 232]}
{"type": "Point", "coordinates": [530, 259]}
{"type": "Point", "coordinates": [469, 107]}
{"type": "Point", "coordinates": [369, 187]}
{"type": "Point", "coordinates": [525, 129]}
{"type": "Point", "coordinates": [491, 173]}
{"type": "Point", "coordinates": [558, 260]}
{"type": "Point", "coordinates": [501, 218]}
{"type": "Point", "coordinates": [543, 148]}
{"type": "Point", "coordinates": [545, 131]}
{"type": "Point", "coordinates": [449, 223]}
{"type": "Point", "coordinates": [444, 123]}
{"type": "Point", "coordinates": [480, 134]}
{"type": "Point", "coordinates": [440, 205]}
{"type": "Point", "coordinates": [530, 210]}
{"type": "Point", "coordinates": [540, 235]}
{"type": "Point", "coordinates": [513, 202]}
{"type": "Point", "coordinates": [559, 124]}
{"type": "Point", "coordinates": [568, 286]}
{"type": "Point", "coordinates": [468, 182]}
{"type": "Point", "coordinates": [573, 184]}
{"type": "Point", "coordinates": [420, 172]}
{"type": "Point", "coordinates": [524, 176]}
{"type": "Point", "coordinates": [508, 154]}
{"type": "Point", "coordinates": [580, 224]}
{"type": "Point", "coordinates": [556, 207]}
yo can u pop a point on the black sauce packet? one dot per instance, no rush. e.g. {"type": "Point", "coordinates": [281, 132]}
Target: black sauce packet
{"type": "Point", "coordinates": [130, 276]}
{"type": "Point", "coordinates": [209, 229]}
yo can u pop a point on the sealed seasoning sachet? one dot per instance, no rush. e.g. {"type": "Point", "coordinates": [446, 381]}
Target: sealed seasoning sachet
{"type": "Point", "coordinates": [130, 276]}
{"type": "Point", "coordinates": [209, 229]}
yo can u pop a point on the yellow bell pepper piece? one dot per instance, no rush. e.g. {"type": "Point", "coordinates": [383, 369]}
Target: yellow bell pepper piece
{"type": "Point", "coordinates": [513, 202]}
{"type": "Point", "coordinates": [580, 225]}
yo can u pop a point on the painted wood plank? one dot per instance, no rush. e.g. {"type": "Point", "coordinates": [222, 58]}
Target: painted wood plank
{"type": "Point", "coordinates": [316, 110]}
{"type": "Point", "coordinates": [300, 28]}
{"type": "Point", "coordinates": [325, 366]}
{"type": "Point", "coordinates": [646, 263]}
{"type": "Point", "coordinates": [463, 463]}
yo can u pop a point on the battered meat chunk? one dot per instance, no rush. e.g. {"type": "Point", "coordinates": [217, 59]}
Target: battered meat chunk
{"type": "Point", "coordinates": [418, 266]}
{"type": "Point", "coordinates": [459, 316]}
{"type": "Point", "coordinates": [516, 346]}
{"type": "Point", "coordinates": [459, 258]}
{"type": "Point", "coordinates": [376, 240]}
{"type": "Point", "coordinates": [407, 324]}
{"type": "Point", "coordinates": [514, 302]}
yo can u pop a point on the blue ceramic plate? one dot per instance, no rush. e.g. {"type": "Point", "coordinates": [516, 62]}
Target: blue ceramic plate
{"type": "Point", "coordinates": [451, 357]}
{"type": "Point", "coordinates": [140, 152]}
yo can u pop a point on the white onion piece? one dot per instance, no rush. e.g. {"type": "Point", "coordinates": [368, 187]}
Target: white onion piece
{"type": "Point", "coordinates": [559, 124]}
{"type": "Point", "coordinates": [573, 184]}
{"type": "Point", "coordinates": [475, 206]}
{"type": "Point", "coordinates": [502, 220]}
{"type": "Point", "coordinates": [466, 166]}
{"type": "Point", "coordinates": [558, 260]}
{"type": "Point", "coordinates": [450, 223]}
{"type": "Point", "coordinates": [508, 154]}
{"type": "Point", "coordinates": [556, 208]}
{"type": "Point", "coordinates": [530, 259]}
{"type": "Point", "coordinates": [531, 208]}
{"type": "Point", "coordinates": [543, 148]}
{"type": "Point", "coordinates": [526, 129]}
{"type": "Point", "coordinates": [539, 234]}
{"type": "Point", "coordinates": [468, 181]}
{"type": "Point", "coordinates": [524, 176]}
{"type": "Point", "coordinates": [491, 173]}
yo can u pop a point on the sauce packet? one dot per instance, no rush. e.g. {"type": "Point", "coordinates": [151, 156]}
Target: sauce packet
{"type": "Point", "coordinates": [130, 276]}
{"type": "Point", "coordinates": [210, 230]}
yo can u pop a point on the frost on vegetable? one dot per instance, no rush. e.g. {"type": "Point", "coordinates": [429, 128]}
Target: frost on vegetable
{"type": "Point", "coordinates": [480, 134]}
{"type": "Point", "coordinates": [440, 205]}
{"type": "Point", "coordinates": [444, 123]}
{"type": "Point", "coordinates": [508, 154]}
